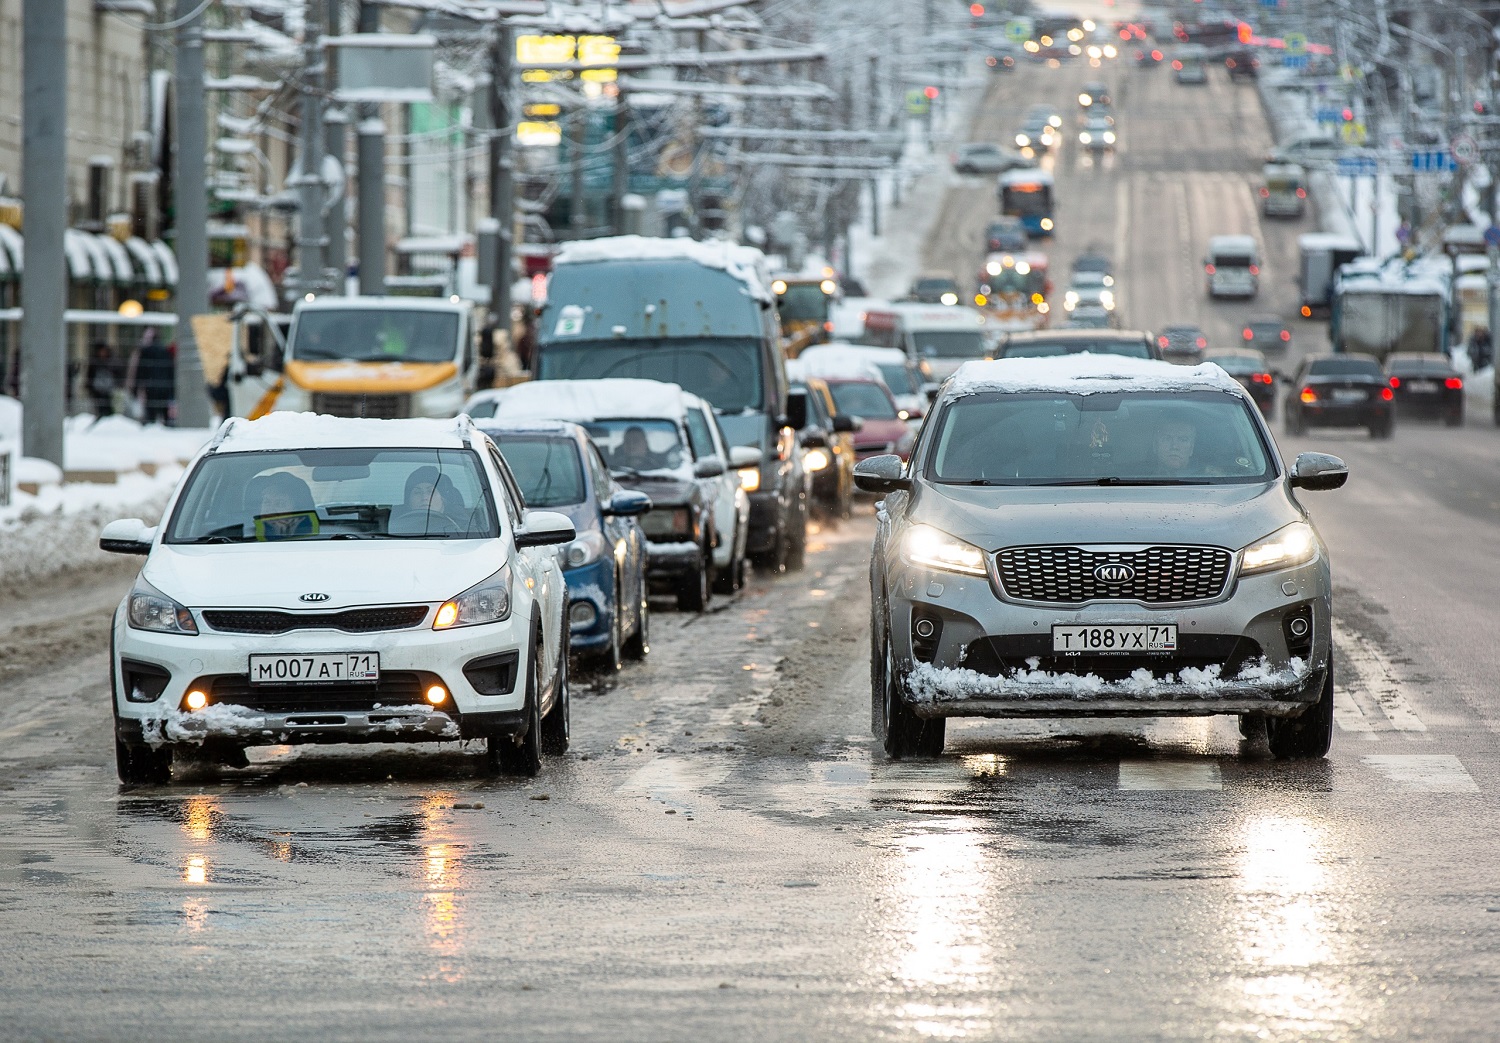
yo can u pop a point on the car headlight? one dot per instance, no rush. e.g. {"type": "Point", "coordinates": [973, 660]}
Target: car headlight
{"type": "Point", "coordinates": [1294, 545]}
{"type": "Point", "coordinates": [1085, 137]}
{"type": "Point", "coordinates": [487, 601]}
{"type": "Point", "coordinates": [749, 479]}
{"type": "Point", "coordinates": [150, 609]}
{"type": "Point", "coordinates": [1107, 299]}
{"type": "Point", "coordinates": [588, 548]}
{"type": "Point", "coordinates": [1022, 140]}
{"type": "Point", "coordinates": [816, 459]}
{"type": "Point", "coordinates": [934, 548]}
{"type": "Point", "coordinates": [1109, 137]}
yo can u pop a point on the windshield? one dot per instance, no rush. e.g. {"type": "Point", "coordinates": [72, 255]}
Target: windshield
{"type": "Point", "coordinates": [374, 335]}
{"type": "Point", "coordinates": [1438, 367]}
{"type": "Point", "coordinates": [1344, 368]}
{"type": "Point", "coordinates": [1050, 349]}
{"type": "Point", "coordinates": [1382, 322]}
{"type": "Point", "coordinates": [332, 494]}
{"type": "Point", "coordinates": [634, 447]}
{"type": "Point", "coordinates": [547, 469]}
{"type": "Point", "coordinates": [863, 399]}
{"type": "Point", "coordinates": [949, 344]}
{"type": "Point", "coordinates": [1239, 365]}
{"type": "Point", "coordinates": [803, 302]}
{"type": "Point", "coordinates": [898, 378]}
{"type": "Point", "coordinates": [1228, 260]}
{"type": "Point", "coordinates": [1026, 199]}
{"type": "Point", "coordinates": [725, 371]}
{"type": "Point", "coordinates": [1147, 438]}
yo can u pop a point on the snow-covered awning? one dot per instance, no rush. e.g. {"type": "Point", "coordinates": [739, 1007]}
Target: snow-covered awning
{"type": "Point", "coordinates": [168, 261]}
{"type": "Point", "coordinates": [146, 260]}
{"type": "Point", "coordinates": [119, 259]}
{"type": "Point", "coordinates": [11, 243]}
{"type": "Point", "coordinates": [80, 256]}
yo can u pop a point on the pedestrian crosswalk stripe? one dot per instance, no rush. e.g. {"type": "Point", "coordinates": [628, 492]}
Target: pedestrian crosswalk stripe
{"type": "Point", "coordinates": [1350, 718]}
{"type": "Point", "coordinates": [1378, 690]}
{"type": "Point", "coordinates": [1165, 775]}
{"type": "Point", "coordinates": [1423, 773]}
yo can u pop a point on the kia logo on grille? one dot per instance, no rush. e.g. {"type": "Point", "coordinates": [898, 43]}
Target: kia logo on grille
{"type": "Point", "coordinates": [314, 597]}
{"type": "Point", "coordinates": [1114, 573]}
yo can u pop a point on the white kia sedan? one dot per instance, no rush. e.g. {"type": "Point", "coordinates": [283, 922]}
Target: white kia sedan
{"type": "Point", "coordinates": [328, 580]}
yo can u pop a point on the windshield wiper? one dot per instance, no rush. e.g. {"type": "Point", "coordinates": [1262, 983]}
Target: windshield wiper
{"type": "Point", "coordinates": [1111, 480]}
{"type": "Point", "coordinates": [209, 539]}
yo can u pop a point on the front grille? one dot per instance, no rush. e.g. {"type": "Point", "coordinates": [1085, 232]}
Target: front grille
{"type": "Point", "coordinates": [393, 689]}
{"type": "Point", "coordinates": [1003, 656]}
{"type": "Point", "coordinates": [350, 621]}
{"type": "Point", "coordinates": [379, 407]}
{"type": "Point", "coordinates": [1065, 575]}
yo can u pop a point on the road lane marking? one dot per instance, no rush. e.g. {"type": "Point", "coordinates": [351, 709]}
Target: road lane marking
{"type": "Point", "coordinates": [1350, 718]}
{"type": "Point", "coordinates": [1423, 772]}
{"type": "Point", "coordinates": [1378, 684]}
{"type": "Point", "coordinates": [1170, 775]}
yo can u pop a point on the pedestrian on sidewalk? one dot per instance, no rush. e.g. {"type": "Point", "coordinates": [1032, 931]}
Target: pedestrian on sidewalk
{"type": "Point", "coordinates": [102, 377]}
{"type": "Point", "coordinates": [1481, 350]}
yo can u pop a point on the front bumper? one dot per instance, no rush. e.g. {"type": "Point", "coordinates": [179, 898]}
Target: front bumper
{"type": "Point", "coordinates": [767, 515]}
{"type": "Point", "coordinates": [593, 586]}
{"type": "Point", "coordinates": [482, 669]}
{"type": "Point", "coordinates": [1354, 414]}
{"type": "Point", "coordinates": [990, 657]}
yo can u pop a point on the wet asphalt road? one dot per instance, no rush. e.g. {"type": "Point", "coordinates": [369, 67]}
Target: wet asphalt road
{"type": "Point", "coordinates": [726, 855]}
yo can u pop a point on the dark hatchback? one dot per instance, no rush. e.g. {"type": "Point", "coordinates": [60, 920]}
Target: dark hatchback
{"type": "Point", "coordinates": [1345, 390]}
{"type": "Point", "coordinates": [1249, 368]}
{"type": "Point", "coordinates": [1427, 385]}
{"type": "Point", "coordinates": [1183, 344]}
{"type": "Point", "coordinates": [1052, 343]}
{"type": "Point", "coordinates": [1267, 333]}
{"type": "Point", "coordinates": [1006, 235]}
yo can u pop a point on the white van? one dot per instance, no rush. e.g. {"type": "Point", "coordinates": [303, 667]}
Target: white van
{"type": "Point", "coordinates": [938, 338]}
{"type": "Point", "coordinates": [1232, 266]}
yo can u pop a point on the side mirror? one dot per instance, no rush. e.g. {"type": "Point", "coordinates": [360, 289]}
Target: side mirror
{"type": "Point", "coordinates": [1316, 471]}
{"type": "Point", "coordinates": [844, 424]}
{"type": "Point", "coordinates": [796, 413]}
{"type": "Point", "coordinates": [127, 536]}
{"type": "Point", "coordinates": [545, 529]}
{"type": "Point", "coordinates": [881, 474]}
{"type": "Point", "coordinates": [627, 503]}
{"type": "Point", "coordinates": [709, 467]}
{"type": "Point", "coordinates": [744, 456]}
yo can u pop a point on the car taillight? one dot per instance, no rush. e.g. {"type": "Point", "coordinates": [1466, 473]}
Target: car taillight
{"type": "Point", "coordinates": [1161, 341]}
{"type": "Point", "coordinates": [1395, 382]}
{"type": "Point", "coordinates": [1254, 269]}
{"type": "Point", "coordinates": [1286, 335]}
{"type": "Point", "coordinates": [1156, 56]}
{"type": "Point", "coordinates": [1453, 383]}
{"type": "Point", "coordinates": [1307, 311]}
{"type": "Point", "coordinates": [1261, 378]}
{"type": "Point", "coordinates": [1308, 395]}
{"type": "Point", "coordinates": [1249, 333]}
{"type": "Point", "coordinates": [1387, 394]}
{"type": "Point", "coordinates": [1208, 268]}
{"type": "Point", "coordinates": [1202, 342]}
{"type": "Point", "coordinates": [1176, 64]}
{"type": "Point", "coordinates": [827, 327]}
{"type": "Point", "coordinates": [1301, 193]}
{"type": "Point", "coordinates": [1265, 193]}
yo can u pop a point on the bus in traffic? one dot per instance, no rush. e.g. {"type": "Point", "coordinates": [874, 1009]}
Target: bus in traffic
{"type": "Point", "coordinates": [1027, 194]}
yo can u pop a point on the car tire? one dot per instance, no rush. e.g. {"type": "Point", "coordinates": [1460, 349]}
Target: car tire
{"type": "Point", "coordinates": [693, 592]}
{"type": "Point", "coordinates": [138, 764]}
{"type": "Point", "coordinates": [521, 755]}
{"type": "Point", "coordinates": [906, 734]}
{"type": "Point", "coordinates": [1310, 735]}
{"type": "Point", "coordinates": [796, 554]}
{"type": "Point", "coordinates": [1253, 726]}
{"type": "Point", "coordinates": [639, 643]}
{"type": "Point", "coordinates": [556, 727]}
{"type": "Point", "coordinates": [774, 559]}
{"type": "Point", "coordinates": [1495, 409]}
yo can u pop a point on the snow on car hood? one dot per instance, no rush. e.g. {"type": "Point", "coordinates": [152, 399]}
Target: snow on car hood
{"type": "Point", "coordinates": [350, 572]}
{"type": "Point", "coordinates": [1230, 516]}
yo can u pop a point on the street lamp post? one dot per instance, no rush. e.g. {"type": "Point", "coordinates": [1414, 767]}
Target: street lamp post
{"type": "Point", "coordinates": [191, 223]}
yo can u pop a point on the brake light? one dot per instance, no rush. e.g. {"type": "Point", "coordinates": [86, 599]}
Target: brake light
{"type": "Point", "coordinates": [1395, 382]}
{"type": "Point", "coordinates": [1307, 311]}
{"type": "Point", "coordinates": [1261, 378]}
{"type": "Point", "coordinates": [1249, 333]}
{"type": "Point", "coordinates": [1156, 56]}
{"type": "Point", "coordinates": [1453, 383]}
{"type": "Point", "coordinates": [1308, 395]}
{"type": "Point", "coordinates": [1208, 268]}
{"type": "Point", "coordinates": [827, 327]}
{"type": "Point", "coordinates": [1255, 269]}
{"type": "Point", "coordinates": [1265, 193]}
{"type": "Point", "coordinates": [1202, 342]}
{"type": "Point", "coordinates": [1387, 394]}
{"type": "Point", "coordinates": [1301, 193]}
{"type": "Point", "coordinates": [1162, 341]}
{"type": "Point", "coordinates": [1286, 335]}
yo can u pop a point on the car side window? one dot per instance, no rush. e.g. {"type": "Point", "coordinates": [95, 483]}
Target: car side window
{"type": "Point", "coordinates": [604, 482]}
{"type": "Point", "coordinates": [515, 503]}
{"type": "Point", "coordinates": [699, 436]}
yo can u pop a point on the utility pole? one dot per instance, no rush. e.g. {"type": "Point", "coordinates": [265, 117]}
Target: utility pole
{"type": "Point", "coordinates": [502, 170]}
{"type": "Point", "coordinates": [191, 199]}
{"type": "Point", "coordinates": [578, 128]}
{"type": "Point", "coordinates": [310, 239]}
{"type": "Point", "coordinates": [621, 186]}
{"type": "Point", "coordinates": [371, 178]}
{"type": "Point", "coordinates": [335, 123]}
{"type": "Point", "coordinates": [44, 164]}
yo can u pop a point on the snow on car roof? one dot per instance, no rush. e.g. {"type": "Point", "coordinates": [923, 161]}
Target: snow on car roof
{"type": "Point", "coordinates": [1085, 374]}
{"type": "Point", "coordinates": [848, 360]}
{"type": "Point", "coordinates": [745, 263]}
{"type": "Point", "coordinates": [285, 430]}
{"type": "Point", "coordinates": [496, 426]}
{"type": "Point", "coordinates": [582, 400]}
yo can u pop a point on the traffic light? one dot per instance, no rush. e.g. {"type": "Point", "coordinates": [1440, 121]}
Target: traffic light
{"type": "Point", "coordinates": [930, 93]}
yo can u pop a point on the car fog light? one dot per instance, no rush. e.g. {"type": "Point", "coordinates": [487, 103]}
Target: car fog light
{"type": "Point", "coordinates": [436, 694]}
{"type": "Point", "coordinates": [582, 614]}
{"type": "Point", "coordinates": [1299, 627]}
{"type": "Point", "coordinates": [196, 700]}
{"type": "Point", "coordinates": [923, 628]}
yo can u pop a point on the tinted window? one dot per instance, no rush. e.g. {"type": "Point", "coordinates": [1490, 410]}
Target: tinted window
{"type": "Point", "coordinates": [699, 435]}
{"type": "Point", "coordinates": [898, 378]}
{"type": "Point", "coordinates": [803, 302]}
{"type": "Point", "coordinates": [1343, 367]}
{"type": "Point", "coordinates": [547, 469]}
{"type": "Point", "coordinates": [865, 400]}
{"type": "Point", "coordinates": [375, 335]}
{"type": "Point", "coordinates": [314, 494]}
{"type": "Point", "coordinates": [1139, 437]}
{"type": "Point", "coordinates": [726, 372]}
{"type": "Point", "coordinates": [1050, 349]}
{"type": "Point", "coordinates": [949, 344]}
{"type": "Point", "coordinates": [1238, 365]}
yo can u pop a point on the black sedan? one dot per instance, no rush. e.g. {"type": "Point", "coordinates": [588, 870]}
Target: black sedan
{"type": "Point", "coordinates": [1344, 390]}
{"type": "Point", "coordinates": [828, 451]}
{"type": "Point", "coordinates": [1183, 344]}
{"type": "Point", "coordinates": [1249, 368]}
{"type": "Point", "coordinates": [1267, 333]}
{"type": "Point", "coordinates": [1427, 385]}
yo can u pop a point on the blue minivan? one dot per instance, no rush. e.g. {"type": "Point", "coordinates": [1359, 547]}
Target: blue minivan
{"type": "Point", "coordinates": [559, 469]}
{"type": "Point", "coordinates": [699, 315]}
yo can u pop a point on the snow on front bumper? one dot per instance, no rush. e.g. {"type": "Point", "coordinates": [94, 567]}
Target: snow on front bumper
{"type": "Point", "coordinates": [1258, 688]}
{"type": "Point", "coordinates": [252, 726]}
